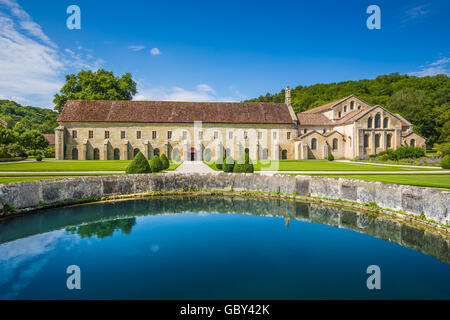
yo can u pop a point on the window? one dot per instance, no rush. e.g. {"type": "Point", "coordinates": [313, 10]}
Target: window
{"type": "Point", "coordinates": [369, 123]}
{"type": "Point", "coordinates": [138, 135]}
{"type": "Point", "coordinates": [122, 134]}
{"type": "Point", "coordinates": [412, 143]}
{"type": "Point", "coordinates": [385, 122]}
{"type": "Point", "coordinates": [366, 141]}
{"type": "Point", "coordinates": [324, 130]}
{"type": "Point", "coordinates": [169, 135]}
{"type": "Point", "coordinates": [359, 107]}
{"type": "Point", "coordinates": [288, 135]}
{"type": "Point", "coordinates": [335, 144]}
{"type": "Point", "coordinates": [247, 150]}
{"type": "Point", "coordinates": [216, 135]}
{"type": "Point", "coordinates": [275, 135]}
{"type": "Point", "coordinates": [284, 154]}
{"type": "Point", "coordinates": [339, 114]}
{"type": "Point", "coordinates": [265, 154]}
{"type": "Point", "coordinates": [74, 134]}
{"type": "Point", "coordinates": [75, 154]}
{"type": "Point", "coordinates": [227, 152]}
{"type": "Point", "coordinates": [106, 134]}
{"type": "Point", "coordinates": [230, 135]}
{"type": "Point", "coordinates": [116, 154]}
{"type": "Point", "coordinates": [377, 141]}
{"type": "Point", "coordinates": [313, 143]}
{"type": "Point", "coordinates": [306, 130]}
{"type": "Point", "coordinates": [388, 141]}
{"type": "Point", "coordinates": [345, 108]}
{"type": "Point", "coordinates": [259, 135]}
{"type": "Point", "coordinates": [135, 152]}
{"type": "Point", "coordinates": [96, 154]}
{"type": "Point", "coordinates": [200, 135]}
{"type": "Point", "coordinates": [156, 152]}
{"type": "Point", "coordinates": [184, 135]}
{"type": "Point", "coordinates": [378, 121]}
{"type": "Point", "coordinates": [91, 134]}
{"type": "Point", "coordinates": [153, 134]}
{"type": "Point", "coordinates": [352, 105]}
{"type": "Point", "coordinates": [245, 135]}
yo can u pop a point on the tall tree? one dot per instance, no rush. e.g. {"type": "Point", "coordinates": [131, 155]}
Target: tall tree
{"type": "Point", "coordinates": [98, 85]}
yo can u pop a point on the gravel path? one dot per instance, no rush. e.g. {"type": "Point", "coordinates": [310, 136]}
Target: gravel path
{"type": "Point", "coordinates": [194, 166]}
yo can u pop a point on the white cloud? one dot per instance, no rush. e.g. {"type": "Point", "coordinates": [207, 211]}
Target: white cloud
{"type": "Point", "coordinates": [155, 52]}
{"type": "Point", "coordinates": [440, 66]}
{"type": "Point", "coordinates": [201, 93]}
{"type": "Point", "coordinates": [417, 12]}
{"type": "Point", "coordinates": [136, 48]}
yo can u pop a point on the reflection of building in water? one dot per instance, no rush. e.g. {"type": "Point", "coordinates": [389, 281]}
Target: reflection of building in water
{"type": "Point", "coordinates": [287, 222]}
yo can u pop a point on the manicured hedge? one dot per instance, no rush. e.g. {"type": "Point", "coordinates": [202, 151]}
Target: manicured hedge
{"type": "Point", "coordinates": [138, 165]}
{"type": "Point", "coordinates": [156, 164]}
{"type": "Point", "coordinates": [445, 162]}
{"type": "Point", "coordinates": [244, 165]}
{"type": "Point", "coordinates": [228, 165]}
{"type": "Point", "coordinates": [165, 162]}
{"type": "Point", "coordinates": [12, 159]}
{"type": "Point", "coordinates": [404, 152]}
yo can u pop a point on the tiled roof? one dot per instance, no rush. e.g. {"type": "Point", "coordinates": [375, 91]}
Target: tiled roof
{"type": "Point", "coordinates": [174, 112]}
{"type": "Point", "coordinates": [349, 117]}
{"type": "Point", "coordinates": [51, 138]}
{"type": "Point", "coordinates": [324, 107]}
{"type": "Point", "coordinates": [405, 123]}
{"type": "Point", "coordinates": [313, 119]}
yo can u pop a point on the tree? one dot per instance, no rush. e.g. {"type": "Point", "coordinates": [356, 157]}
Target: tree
{"type": "Point", "coordinates": [33, 140]}
{"type": "Point", "coordinates": [98, 85]}
{"type": "Point", "coordinates": [7, 136]}
{"type": "Point", "coordinates": [165, 162]}
{"type": "Point", "coordinates": [156, 164]}
{"type": "Point", "coordinates": [138, 165]}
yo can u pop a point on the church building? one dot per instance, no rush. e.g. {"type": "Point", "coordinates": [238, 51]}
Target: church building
{"type": "Point", "coordinates": [116, 130]}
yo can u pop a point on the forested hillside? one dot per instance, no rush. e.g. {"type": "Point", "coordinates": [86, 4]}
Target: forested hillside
{"type": "Point", "coordinates": [425, 102]}
{"type": "Point", "coordinates": [29, 118]}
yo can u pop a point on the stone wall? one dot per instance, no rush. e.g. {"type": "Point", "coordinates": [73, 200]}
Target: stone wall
{"type": "Point", "coordinates": [433, 203]}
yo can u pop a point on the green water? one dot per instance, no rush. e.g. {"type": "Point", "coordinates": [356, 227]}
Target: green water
{"type": "Point", "coordinates": [217, 248]}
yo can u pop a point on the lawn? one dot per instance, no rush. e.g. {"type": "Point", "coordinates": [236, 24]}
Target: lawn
{"type": "Point", "coordinates": [67, 165]}
{"type": "Point", "coordinates": [323, 165]}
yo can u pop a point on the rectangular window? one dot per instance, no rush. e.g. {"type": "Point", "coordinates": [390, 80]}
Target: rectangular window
{"type": "Point", "coordinates": [288, 135]}
{"type": "Point", "coordinates": [91, 134]}
{"type": "Point", "coordinates": [138, 134]}
{"type": "Point", "coordinates": [230, 135]}
{"type": "Point", "coordinates": [169, 135]}
{"type": "Point", "coordinates": [154, 135]}
{"type": "Point", "coordinates": [74, 134]}
{"type": "Point", "coordinates": [106, 134]}
{"type": "Point", "coordinates": [122, 134]}
{"type": "Point", "coordinates": [184, 135]}
{"type": "Point", "coordinates": [216, 135]}
{"type": "Point", "coordinates": [200, 135]}
{"type": "Point", "coordinates": [259, 135]}
{"type": "Point", "coordinates": [245, 135]}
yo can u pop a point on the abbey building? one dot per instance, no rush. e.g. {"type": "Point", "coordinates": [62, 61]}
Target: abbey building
{"type": "Point", "coordinates": [117, 130]}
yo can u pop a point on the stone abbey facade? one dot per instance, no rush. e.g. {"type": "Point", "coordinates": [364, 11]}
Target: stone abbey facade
{"type": "Point", "coordinates": [117, 130]}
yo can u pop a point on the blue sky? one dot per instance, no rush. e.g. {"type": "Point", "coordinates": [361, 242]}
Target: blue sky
{"type": "Point", "coordinates": [216, 50]}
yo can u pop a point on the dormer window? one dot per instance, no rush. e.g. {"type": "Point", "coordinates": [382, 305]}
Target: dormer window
{"type": "Point", "coordinates": [351, 105]}
{"type": "Point", "coordinates": [345, 108]}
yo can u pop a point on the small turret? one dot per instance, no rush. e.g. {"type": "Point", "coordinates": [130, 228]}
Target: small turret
{"type": "Point", "coordinates": [287, 100]}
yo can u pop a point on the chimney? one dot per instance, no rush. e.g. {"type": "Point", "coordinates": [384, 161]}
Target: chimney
{"type": "Point", "coordinates": [287, 99]}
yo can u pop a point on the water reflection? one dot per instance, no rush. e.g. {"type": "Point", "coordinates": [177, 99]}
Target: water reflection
{"type": "Point", "coordinates": [103, 219]}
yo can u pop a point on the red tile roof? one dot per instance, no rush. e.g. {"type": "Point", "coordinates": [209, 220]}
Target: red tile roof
{"type": "Point", "coordinates": [51, 138]}
{"type": "Point", "coordinates": [174, 112]}
{"type": "Point", "coordinates": [313, 119]}
{"type": "Point", "coordinates": [324, 107]}
{"type": "Point", "coordinates": [349, 117]}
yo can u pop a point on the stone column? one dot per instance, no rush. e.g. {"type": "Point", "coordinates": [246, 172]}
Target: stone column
{"type": "Point", "coordinates": [372, 139]}
{"type": "Point", "coordinates": [325, 150]}
{"type": "Point", "coordinates": [84, 150]}
{"type": "Point", "coordinates": [304, 151]}
{"type": "Point", "coordinates": [185, 151]}
{"type": "Point", "coordinates": [147, 149]}
{"type": "Point", "coordinates": [199, 151]}
{"type": "Point", "coordinates": [255, 152]}
{"type": "Point", "coordinates": [59, 143]}
{"type": "Point", "coordinates": [125, 150]}
{"type": "Point", "coordinates": [105, 150]}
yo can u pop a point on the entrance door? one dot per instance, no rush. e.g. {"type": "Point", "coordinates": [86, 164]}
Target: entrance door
{"type": "Point", "coordinates": [193, 154]}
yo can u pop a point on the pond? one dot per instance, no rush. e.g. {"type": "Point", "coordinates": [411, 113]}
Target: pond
{"type": "Point", "coordinates": [218, 248]}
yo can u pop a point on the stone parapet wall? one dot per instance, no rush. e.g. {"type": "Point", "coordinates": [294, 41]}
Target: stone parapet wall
{"type": "Point", "coordinates": [433, 203]}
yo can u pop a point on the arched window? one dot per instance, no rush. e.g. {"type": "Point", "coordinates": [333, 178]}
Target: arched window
{"type": "Point", "coordinates": [385, 122]}
{"type": "Point", "coordinates": [369, 123]}
{"type": "Point", "coordinates": [74, 154]}
{"type": "Point", "coordinates": [345, 108]}
{"type": "Point", "coordinates": [247, 150]}
{"type": "Point", "coordinates": [175, 154]}
{"type": "Point", "coordinates": [284, 154]}
{"type": "Point", "coordinates": [96, 154]}
{"type": "Point", "coordinates": [305, 131]}
{"type": "Point", "coordinates": [156, 152]}
{"type": "Point", "coordinates": [116, 154]}
{"type": "Point", "coordinates": [265, 154]}
{"type": "Point", "coordinates": [339, 114]}
{"type": "Point", "coordinates": [388, 141]}
{"type": "Point", "coordinates": [378, 121]}
{"type": "Point", "coordinates": [313, 143]}
{"type": "Point", "coordinates": [207, 154]}
{"type": "Point", "coordinates": [359, 107]}
{"type": "Point", "coordinates": [366, 141]}
{"type": "Point", "coordinates": [227, 152]}
{"type": "Point", "coordinates": [377, 141]}
{"type": "Point", "coordinates": [335, 144]}
{"type": "Point", "coordinates": [412, 143]}
{"type": "Point", "coordinates": [351, 105]}
{"type": "Point", "coordinates": [135, 152]}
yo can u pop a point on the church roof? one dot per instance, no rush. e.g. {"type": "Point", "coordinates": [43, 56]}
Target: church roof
{"type": "Point", "coordinates": [405, 123]}
{"type": "Point", "coordinates": [174, 112]}
{"type": "Point", "coordinates": [325, 107]}
{"type": "Point", "coordinates": [50, 138]}
{"type": "Point", "coordinates": [313, 119]}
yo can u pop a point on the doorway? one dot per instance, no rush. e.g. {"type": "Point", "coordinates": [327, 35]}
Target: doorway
{"type": "Point", "coordinates": [193, 154]}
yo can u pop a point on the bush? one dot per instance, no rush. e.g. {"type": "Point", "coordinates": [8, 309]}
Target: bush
{"type": "Point", "coordinates": [156, 164]}
{"type": "Point", "coordinates": [138, 165]}
{"type": "Point", "coordinates": [384, 157]}
{"type": "Point", "coordinates": [219, 163]}
{"type": "Point", "coordinates": [443, 148]}
{"type": "Point", "coordinates": [49, 152]}
{"type": "Point", "coordinates": [38, 157]}
{"type": "Point", "coordinates": [228, 164]}
{"type": "Point", "coordinates": [330, 157]}
{"type": "Point", "coordinates": [16, 150]}
{"type": "Point", "coordinates": [409, 152]}
{"type": "Point", "coordinates": [165, 162]}
{"type": "Point", "coordinates": [244, 164]}
{"type": "Point", "coordinates": [445, 162]}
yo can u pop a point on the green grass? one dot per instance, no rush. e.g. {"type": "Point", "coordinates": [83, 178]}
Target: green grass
{"type": "Point", "coordinates": [67, 165]}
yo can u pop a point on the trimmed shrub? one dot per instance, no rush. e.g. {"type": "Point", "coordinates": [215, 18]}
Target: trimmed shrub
{"type": "Point", "coordinates": [138, 165]}
{"type": "Point", "coordinates": [156, 164]}
{"type": "Point", "coordinates": [219, 163]}
{"type": "Point", "coordinates": [38, 157]}
{"type": "Point", "coordinates": [384, 157]}
{"type": "Point", "coordinates": [330, 157]}
{"type": "Point", "coordinates": [49, 152]}
{"type": "Point", "coordinates": [445, 162]}
{"type": "Point", "coordinates": [165, 162]}
{"type": "Point", "coordinates": [228, 164]}
{"type": "Point", "coordinates": [244, 164]}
